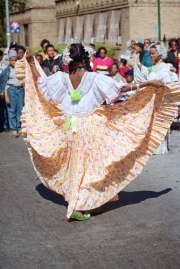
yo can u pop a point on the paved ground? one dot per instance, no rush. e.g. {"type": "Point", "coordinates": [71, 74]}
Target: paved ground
{"type": "Point", "coordinates": [140, 231]}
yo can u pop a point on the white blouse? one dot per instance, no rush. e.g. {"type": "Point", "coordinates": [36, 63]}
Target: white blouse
{"type": "Point", "coordinates": [160, 72]}
{"type": "Point", "coordinates": [94, 89]}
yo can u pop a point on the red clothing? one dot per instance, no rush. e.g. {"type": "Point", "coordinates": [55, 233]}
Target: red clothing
{"type": "Point", "coordinates": [123, 70]}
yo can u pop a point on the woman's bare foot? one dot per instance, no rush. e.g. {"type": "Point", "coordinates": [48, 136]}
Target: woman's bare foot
{"type": "Point", "coordinates": [79, 213]}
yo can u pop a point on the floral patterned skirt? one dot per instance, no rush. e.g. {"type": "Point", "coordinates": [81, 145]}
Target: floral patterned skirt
{"type": "Point", "coordinates": [108, 150]}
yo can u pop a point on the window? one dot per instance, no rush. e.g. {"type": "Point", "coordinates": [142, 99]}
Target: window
{"type": "Point", "coordinates": [26, 35]}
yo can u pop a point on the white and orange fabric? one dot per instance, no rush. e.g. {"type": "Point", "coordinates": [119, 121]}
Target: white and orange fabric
{"type": "Point", "coordinates": [111, 144]}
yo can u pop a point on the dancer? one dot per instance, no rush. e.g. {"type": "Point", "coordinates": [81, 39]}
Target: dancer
{"type": "Point", "coordinates": [81, 149]}
{"type": "Point", "coordinates": [160, 71]}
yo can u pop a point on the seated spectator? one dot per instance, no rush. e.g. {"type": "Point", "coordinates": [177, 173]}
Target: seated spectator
{"type": "Point", "coordinates": [46, 70]}
{"type": "Point", "coordinates": [123, 68]}
{"type": "Point", "coordinates": [129, 76]}
{"type": "Point", "coordinates": [103, 62]}
{"type": "Point", "coordinates": [113, 72]}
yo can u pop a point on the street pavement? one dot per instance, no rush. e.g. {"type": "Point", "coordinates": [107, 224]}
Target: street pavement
{"type": "Point", "coordinates": [140, 231]}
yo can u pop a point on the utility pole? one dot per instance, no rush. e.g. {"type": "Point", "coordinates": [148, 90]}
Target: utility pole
{"type": "Point", "coordinates": [7, 24]}
{"type": "Point", "coordinates": [159, 20]}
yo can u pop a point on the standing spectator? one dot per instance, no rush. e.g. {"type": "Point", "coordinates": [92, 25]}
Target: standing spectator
{"type": "Point", "coordinates": [13, 46]}
{"type": "Point", "coordinates": [3, 109]}
{"type": "Point", "coordinates": [46, 70]}
{"type": "Point", "coordinates": [123, 68]}
{"type": "Point", "coordinates": [14, 96]}
{"type": "Point", "coordinates": [147, 43]}
{"type": "Point", "coordinates": [132, 53]}
{"type": "Point", "coordinates": [172, 55]}
{"type": "Point", "coordinates": [20, 52]}
{"type": "Point", "coordinates": [103, 62]}
{"type": "Point", "coordinates": [52, 60]}
{"type": "Point", "coordinates": [43, 45]}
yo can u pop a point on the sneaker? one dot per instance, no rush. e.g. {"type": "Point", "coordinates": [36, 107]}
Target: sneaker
{"type": "Point", "coordinates": [20, 132]}
{"type": "Point", "coordinates": [15, 134]}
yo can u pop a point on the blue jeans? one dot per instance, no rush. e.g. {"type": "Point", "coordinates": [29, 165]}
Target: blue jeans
{"type": "Point", "coordinates": [16, 97]}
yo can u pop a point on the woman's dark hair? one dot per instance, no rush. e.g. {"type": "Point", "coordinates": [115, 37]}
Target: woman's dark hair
{"type": "Point", "coordinates": [49, 46]}
{"type": "Point", "coordinates": [92, 45]}
{"type": "Point", "coordinates": [20, 48]}
{"type": "Point", "coordinates": [124, 62]}
{"type": "Point", "coordinates": [172, 40]}
{"type": "Point", "coordinates": [78, 55]}
{"type": "Point", "coordinates": [44, 41]}
{"type": "Point", "coordinates": [38, 55]}
{"type": "Point", "coordinates": [102, 48]}
{"type": "Point", "coordinates": [1, 53]}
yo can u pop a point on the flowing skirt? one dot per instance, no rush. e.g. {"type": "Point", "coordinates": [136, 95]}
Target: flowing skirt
{"type": "Point", "coordinates": [108, 150]}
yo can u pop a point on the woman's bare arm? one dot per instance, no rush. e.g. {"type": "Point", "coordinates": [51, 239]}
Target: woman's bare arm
{"type": "Point", "coordinates": [131, 87]}
{"type": "Point", "coordinates": [30, 60]}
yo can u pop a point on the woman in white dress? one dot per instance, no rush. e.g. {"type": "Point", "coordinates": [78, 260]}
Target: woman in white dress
{"type": "Point", "coordinates": [160, 71]}
{"type": "Point", "coordinates": [84, 151]}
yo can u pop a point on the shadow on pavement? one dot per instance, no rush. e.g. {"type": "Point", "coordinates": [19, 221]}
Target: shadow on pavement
{"type": "Point", "coordinates": [135, 197]}
{"type": "Point", "coordinates": [125, 198]}
{"type": "Point", "coordinates": [51, 195]}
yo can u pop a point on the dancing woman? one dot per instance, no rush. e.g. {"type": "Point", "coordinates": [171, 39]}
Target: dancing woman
{"type": "Point", "coordinates": [160, 71]}
{"type": "Point", "coordinates": [80, 149]}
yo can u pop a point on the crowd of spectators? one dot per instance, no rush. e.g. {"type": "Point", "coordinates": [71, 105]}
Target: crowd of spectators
{"type": "Point", "coordinates": [12, 92]}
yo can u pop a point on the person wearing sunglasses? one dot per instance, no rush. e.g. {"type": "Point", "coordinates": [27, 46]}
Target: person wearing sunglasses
{"type": "Point", "coordinates": [172, 56]}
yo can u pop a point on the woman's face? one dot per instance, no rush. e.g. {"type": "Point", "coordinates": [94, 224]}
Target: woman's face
{"type": "Point", "coordinates": [114, 70]}
{"type": "Point", "coordinates": [20, 54]}
{"type": "Point", "coordinates": [102, 54]}
{"type": "Point", "coordinates": [129, 78]}
{"type": "Point", "coordinates": [39, 59]}
{"type": "Point", "coordinates": [174, 46]}
{"type": "Point", "coordinates": [44, 46]}
{"type": "Point", "coordinates": [146, 43]}
{"type": "Point", "coordinates": [133, 43]}
{"type": "Point", "coordinates": [154, 55]}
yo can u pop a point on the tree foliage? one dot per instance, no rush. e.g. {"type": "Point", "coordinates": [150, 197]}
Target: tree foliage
{"type": "Point", "coordinates": [13, 5]}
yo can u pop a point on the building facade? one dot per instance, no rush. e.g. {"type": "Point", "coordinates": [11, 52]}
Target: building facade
{"type": "Point", "coordinates": [115, 21]}
{"type": "Point", "coordinates": [95, 21]}
{"type": "Point", "coordinates": [36, 23]}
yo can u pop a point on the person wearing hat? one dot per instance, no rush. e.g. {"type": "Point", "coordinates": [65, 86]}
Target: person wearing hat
{"type": "Point", "coordinates": [14, 96]}
{"type": "Point", "coordinates": [13, 46]}
{"type": "Point", "coordinates": [129, 77]}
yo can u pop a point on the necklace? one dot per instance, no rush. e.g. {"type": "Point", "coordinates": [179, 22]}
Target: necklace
{"type": "Point", "coordinates": [52, 62]}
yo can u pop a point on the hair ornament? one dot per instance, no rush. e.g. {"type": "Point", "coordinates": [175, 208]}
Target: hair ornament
{"type": "Point", "coordinates": [66, 55]}
{"type": "Point", "coordinates": [161, 49]}
{"type": "Point", "coordinates": [89, 50]}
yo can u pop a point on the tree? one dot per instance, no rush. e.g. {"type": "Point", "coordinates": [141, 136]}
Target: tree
{"type": "Point", "coordinates": [13, 4]}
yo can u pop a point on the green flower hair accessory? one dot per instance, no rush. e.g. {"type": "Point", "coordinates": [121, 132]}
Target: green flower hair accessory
{"type": "Point", "coordinates": [75, 96]}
